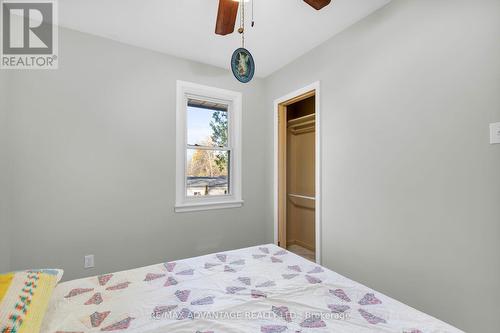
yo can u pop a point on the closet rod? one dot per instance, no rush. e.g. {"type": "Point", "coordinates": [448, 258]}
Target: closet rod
{"type": "Point", "coordinates": [302, 130]}
{"type": "Point", "coordinates": [310, 122]}
{"type": "Point", "coordinates": [301, 196]}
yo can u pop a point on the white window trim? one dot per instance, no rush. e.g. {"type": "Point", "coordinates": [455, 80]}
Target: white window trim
{"type": "Point", "coordinates": [183, 203]}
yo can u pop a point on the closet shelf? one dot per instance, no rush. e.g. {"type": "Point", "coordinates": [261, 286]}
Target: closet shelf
{"type": "Point", "coordinates": [305, 124]}
{"type": "Point", "coordinates": [305, 120]}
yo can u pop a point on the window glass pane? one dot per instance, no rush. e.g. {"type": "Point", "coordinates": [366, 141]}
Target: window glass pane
{"type": "Point", "coordinates": [207, 124]}
{"type": "Point", "coordinates": [207, 172]}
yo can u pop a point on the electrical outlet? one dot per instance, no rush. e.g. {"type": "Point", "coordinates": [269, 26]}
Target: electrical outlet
{"type": "Point", "coordinates": [89, 261]}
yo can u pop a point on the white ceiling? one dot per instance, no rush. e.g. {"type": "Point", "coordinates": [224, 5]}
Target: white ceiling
{"type": "Point", "coordinates": [284, 29]}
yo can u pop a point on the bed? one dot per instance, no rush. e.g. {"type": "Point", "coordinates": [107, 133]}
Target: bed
{"type": "Point", "coordinates": [259, 289]}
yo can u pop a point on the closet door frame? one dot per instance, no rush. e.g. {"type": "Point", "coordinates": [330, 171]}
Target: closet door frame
{"type": "Point", "coordinates": [280, 108]}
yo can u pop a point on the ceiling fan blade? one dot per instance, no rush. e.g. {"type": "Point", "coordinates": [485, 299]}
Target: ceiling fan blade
{"type": "Point", "coordinates": [226, 16]}
{"type": "Point", "coordinates": [318, 4]}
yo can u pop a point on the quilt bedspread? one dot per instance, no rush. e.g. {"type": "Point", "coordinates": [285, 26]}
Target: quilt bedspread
{"type": "Point", "coordinates": [259, 289]}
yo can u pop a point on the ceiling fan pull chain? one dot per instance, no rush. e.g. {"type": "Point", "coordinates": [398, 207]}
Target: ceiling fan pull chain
{"type": "Point", "coordinates": [253, 21]}
{"type": "Point", "coordinates": [242, 28]}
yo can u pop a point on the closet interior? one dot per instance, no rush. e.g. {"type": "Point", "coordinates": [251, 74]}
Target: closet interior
{"type": "Point", "coordinates": [299, 168]}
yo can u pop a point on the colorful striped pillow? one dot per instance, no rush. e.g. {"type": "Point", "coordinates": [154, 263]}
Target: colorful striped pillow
{"type": "Point", "coordinates": [24, 297]}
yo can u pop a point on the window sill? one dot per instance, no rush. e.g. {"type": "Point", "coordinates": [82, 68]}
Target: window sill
{"type": "Point", "coordinates": [196, 207]}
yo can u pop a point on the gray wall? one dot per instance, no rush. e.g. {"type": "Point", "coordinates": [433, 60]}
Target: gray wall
{"type": "Point", "coordinates": [92, 155]}
{"type": "Point", "coordinates": [4, 225]}
{"type": "Point", "coordinates": [411, 186]}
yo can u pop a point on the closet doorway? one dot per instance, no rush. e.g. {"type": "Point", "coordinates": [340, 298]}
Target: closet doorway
{"type": "Point", "coordinates": [297, 173]}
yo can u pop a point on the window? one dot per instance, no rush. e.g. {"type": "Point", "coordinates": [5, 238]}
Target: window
{"type": "Point", "coordinates": [208, 148]}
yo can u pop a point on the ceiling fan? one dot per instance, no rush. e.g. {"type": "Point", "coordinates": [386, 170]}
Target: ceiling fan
{"type": "Point", "coordinates": [228, 10]}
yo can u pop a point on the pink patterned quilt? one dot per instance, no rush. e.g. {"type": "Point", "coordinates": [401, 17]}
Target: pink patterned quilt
{"type": "Point", "coordinates": [259, 289]}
